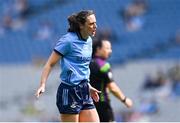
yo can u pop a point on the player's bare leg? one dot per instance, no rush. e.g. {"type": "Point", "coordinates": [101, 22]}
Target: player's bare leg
{"type": "Point", "coordinates": [89, 115]}
{"type": "Point", "coordinates": [69, 118]}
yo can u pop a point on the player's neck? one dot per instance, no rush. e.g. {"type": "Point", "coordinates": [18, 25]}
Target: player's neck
{"type": "Point", "coordinates": [84, 35]}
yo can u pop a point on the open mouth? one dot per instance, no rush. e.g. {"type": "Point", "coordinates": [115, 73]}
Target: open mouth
{"type": "Point", "coordinates": [94, 31]}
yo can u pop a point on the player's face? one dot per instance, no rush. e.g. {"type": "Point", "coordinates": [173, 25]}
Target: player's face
{"type": "Point", "coordinates": [89, 28]}
{"type": "Point", "coordinates": [105, 49]}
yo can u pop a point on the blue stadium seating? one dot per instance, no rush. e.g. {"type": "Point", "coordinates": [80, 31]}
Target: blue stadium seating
{"type": "Point", "coordinates": [161, 22]}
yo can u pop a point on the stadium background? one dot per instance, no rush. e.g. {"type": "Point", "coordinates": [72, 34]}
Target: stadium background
{"type": "Point", "coordinates": [145, 36]}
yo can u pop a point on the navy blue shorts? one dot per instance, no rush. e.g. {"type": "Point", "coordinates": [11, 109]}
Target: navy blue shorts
{"type": "Point", "coordinates": [73, 99]}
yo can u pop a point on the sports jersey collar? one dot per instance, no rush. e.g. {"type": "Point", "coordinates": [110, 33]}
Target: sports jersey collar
{"type": "Point", "coordinates": [80, 36]}
{"type": "Point", "coordinates": [99, 57]}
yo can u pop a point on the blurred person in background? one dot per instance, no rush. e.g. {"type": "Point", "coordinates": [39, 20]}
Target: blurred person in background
{"type": "Point", "coordinates": [74, 50]}
{"type": "Point", "coordinates": [133, 14]}
{"type": "Point", "coordinates": [22, 8]}
{"type": "Point", "coordinates": [174, 74]}
{"type": "Point", "coordinates": [101, 78]}
{"type": "Point", "coordinates": [44, 31]}
{"type": "Point", "coordinates": [152, 83]}
{"type": "Point", "coordinates": [158, 86]}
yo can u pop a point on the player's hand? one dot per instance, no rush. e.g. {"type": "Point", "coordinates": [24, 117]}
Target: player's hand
{"type": "Point", "coordinates": [94, 94]}
{"type": "Point", "coordinates": [40, 90]}
{"type": "Point", "coordinates": [128, 102]}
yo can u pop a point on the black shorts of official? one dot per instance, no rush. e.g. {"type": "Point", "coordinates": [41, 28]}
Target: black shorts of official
{"type": "Point", "coordinates": [104, 111]}
{"type": "Point", "coordinates": [73, 99]}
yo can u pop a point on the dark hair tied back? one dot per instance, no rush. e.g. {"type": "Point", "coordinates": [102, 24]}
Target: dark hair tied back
{"type": "Point", "coordinates": [78, 18]}
{"type": "Point", "coordinates": [73, 24]}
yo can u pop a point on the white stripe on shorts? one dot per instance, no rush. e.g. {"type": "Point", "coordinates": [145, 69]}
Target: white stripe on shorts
{"type": "Point", "coordinates": [65, 96]}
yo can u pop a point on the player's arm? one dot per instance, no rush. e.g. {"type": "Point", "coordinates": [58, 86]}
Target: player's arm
{"type": "Point", "coordinates": [53, 59]}
{"type": "Point", "coordinates": [119, 94]}
{"type": "Point", "coordinates": [94, 93]}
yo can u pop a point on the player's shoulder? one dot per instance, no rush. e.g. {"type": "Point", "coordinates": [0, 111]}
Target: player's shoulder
{"type": "Point", "coordinates": [105, 67]}
{"type": "Point", "coordinates": [102, 64]}
{"type": "Point", "coordinates": [69, 36]}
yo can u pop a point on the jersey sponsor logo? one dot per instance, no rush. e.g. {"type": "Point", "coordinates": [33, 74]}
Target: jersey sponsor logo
{"type": "Point", "coordinates": [83, 59]}
{"type": "Point", "coordinates": [110, 75]}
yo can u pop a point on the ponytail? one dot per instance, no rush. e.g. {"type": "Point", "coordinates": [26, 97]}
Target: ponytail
{"type": "Point", "coordinates": [73, 24]}
{"type": "Point", "coordinates": [78, 18]}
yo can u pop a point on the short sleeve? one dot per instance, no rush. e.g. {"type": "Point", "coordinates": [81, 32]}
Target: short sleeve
{"type": "Point", "coordinates": [62, 46]}
{"type": "Point", "coordinates": [108, 77]}
{"type": "Point", "coordinates": [107, 73]}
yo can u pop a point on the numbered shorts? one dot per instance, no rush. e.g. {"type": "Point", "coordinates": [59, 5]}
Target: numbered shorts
{"type": "Point", "coordinates": [73, 99]}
